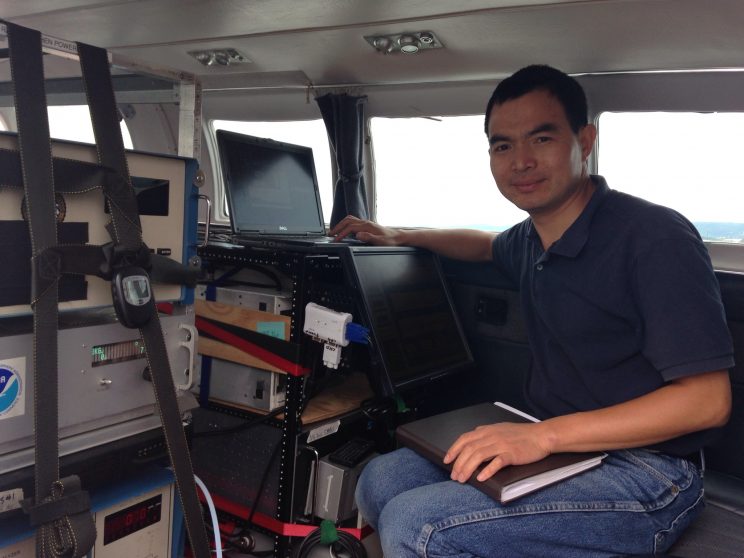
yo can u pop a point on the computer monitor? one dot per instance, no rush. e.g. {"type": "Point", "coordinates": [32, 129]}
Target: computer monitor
{"type": "Point", "coordinates": [271, 186]}
{"type": "Point", "coordinates": [415, 333]}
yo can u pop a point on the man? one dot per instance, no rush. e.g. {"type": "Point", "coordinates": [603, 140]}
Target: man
{"type": "Point", "coordinates": [630, 355]}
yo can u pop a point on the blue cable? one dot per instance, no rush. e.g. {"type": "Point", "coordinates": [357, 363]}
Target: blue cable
{"type": "Point", "coordinates": [357, 333]}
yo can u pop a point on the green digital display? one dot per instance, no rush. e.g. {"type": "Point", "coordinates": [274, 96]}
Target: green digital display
{"type": "Point", "coordinates": [117, 352]}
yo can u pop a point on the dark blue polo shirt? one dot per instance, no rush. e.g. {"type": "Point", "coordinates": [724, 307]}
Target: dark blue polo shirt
{"type": "Point", "coordinates": [623, 302]}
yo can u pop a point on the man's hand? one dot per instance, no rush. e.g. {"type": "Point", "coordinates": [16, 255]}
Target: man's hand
{"type": "Point", "coordinates": [504, 444]}
{"type": "Point", "coordinates": [459, 244]}
{"type": "Point", "coordinates": [366, 231]}
{"type": "Point", "coordinates": [660, 415]}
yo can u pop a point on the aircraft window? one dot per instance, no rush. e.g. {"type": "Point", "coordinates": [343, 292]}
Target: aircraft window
{"type": "Point", "coordinates": [434, 172]}
{"type": "Point", "coordinates": [73, 123]}
{"type": "Point", "coordinates": [311, 133]}
{"type": "Point", "coordinates": [686, 161]}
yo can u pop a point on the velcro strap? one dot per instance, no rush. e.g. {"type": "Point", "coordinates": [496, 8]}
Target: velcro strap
{"type": "Point", "coordinates": [119, 256]}
{"type": "Point", "coordinates": [166, 270]}
{"type": "Point", "coordinates": [70, 177]}
{"type": "Point", "coordinates": [96, 260]}
{"type": "Point", "coordinates": [65, 526]}
{"type": "Point", "coordinates": [84, 259]}
{"type": "Point", "coordinates": [66, 499]}
{"type": "Point", "coordinates": [46, 268]}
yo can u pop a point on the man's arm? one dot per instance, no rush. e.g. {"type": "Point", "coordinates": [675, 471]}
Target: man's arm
{"type": "Point", "coordinates": [682, 406]}
{"type": "Point", "coordinates": [460, 244]}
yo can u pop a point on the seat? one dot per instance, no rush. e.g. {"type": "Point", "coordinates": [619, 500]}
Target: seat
{"type": "Point", "coordinates": [719, 531]}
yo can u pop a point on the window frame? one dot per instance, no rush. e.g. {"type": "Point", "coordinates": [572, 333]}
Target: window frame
{"type": "Point", "coordinates": [725, 256]}
{"type": "Point", "coordinates": [674, 91]}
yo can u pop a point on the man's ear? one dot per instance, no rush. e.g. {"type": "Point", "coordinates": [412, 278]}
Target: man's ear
{"type": "Point", "coordinates": [587, 135]}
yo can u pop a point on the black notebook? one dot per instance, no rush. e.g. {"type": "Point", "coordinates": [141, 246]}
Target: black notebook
{"type": "Point", "coordinates": [272, 192]}
{"type": "Point", "coordinates": [431, 438]}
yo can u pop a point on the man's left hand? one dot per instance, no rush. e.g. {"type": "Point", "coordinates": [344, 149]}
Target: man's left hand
{"type": "Point", "coordinates": [503, 444]}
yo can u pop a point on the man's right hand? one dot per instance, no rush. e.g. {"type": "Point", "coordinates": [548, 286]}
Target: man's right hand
{"type": "Point", "coordinates": [366, 231]}
{"type": "Point", "coordinates": [459, 244]}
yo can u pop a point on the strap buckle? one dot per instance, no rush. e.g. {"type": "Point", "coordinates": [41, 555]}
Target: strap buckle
{"type": "Point", "coordinates": [117, 257]}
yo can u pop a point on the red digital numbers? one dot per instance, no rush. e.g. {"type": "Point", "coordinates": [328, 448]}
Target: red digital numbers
{"type": "Point", "coordinates": [131, 519]}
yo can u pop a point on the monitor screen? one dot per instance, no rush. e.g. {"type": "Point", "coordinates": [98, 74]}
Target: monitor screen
{"type": "Point", "coordinates": [270, 186]}
{"type": "Point", "coordinates": [415, 332]}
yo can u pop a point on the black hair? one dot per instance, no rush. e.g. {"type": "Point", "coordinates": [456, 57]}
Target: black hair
{"type": "Point", "coordinates": [540, 77]}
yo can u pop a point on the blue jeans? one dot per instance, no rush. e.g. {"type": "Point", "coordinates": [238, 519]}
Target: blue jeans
{"type": "Point", "coordinates": [636, 502]}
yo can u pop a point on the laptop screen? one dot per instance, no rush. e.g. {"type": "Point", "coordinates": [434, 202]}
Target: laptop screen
{"type": "Point", "coordinates": [415, 331]}
{"type": "Point", "coordinates": [271, 186]}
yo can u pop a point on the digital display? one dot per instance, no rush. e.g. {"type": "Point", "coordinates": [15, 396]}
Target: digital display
{"type": "Point", "coordinates": [271, 186]}
{"type": "Point", "coordinates": [132, 519]}
{"type": "Point", "coordinates": [136, 289]}
{"type": "Point", "coordinates": [117, 352]}
{"type": "Point", "coordinates": [414, 325]}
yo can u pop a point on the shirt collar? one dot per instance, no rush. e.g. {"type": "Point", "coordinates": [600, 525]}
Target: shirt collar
{"type": "Point", "coordinates": [575, 237]}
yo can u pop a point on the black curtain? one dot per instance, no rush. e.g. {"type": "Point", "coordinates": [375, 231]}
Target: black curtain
{"type": "Point", "coordinates": [343, 115]}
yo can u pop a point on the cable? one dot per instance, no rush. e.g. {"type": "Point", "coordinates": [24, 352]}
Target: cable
{"type": "Point", "coordinates": [215, 523]}
{"type": "Point", "coordinates": [264, 477]}
{"type": "Point", "coordinates": [244, 426]}
{"type": "Point", "coordinates": [345, 541]}
{"type": "Point", "coordinates": [244, 543]}
{"type": "Point", "coordinates": [357, 333]}
{"type": "Point", "coordinates": [267, 469]}
{"type": "Point", "coordinates": [213, 514]}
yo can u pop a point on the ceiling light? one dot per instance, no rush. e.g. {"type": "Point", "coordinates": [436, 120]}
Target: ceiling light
{"type": "Point", "coordinates": [426, 38]}
{"type": "Point", "coordinates": [383, 44]}
{"type": "Point", "coordinates": [407, 43]}
{"type": "Point", "coordinates": [220, 57]}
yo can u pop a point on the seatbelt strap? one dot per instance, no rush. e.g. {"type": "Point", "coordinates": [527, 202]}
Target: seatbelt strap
{"type": "Point", "coordinates": [60, 509]}
{"type": "Point", "coordinates": [126, 233]}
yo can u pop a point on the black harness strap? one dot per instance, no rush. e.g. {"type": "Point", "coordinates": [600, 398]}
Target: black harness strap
{"type": "Point", "coordinates": [119, 193]}
{"type": "Point", "coordinates": [67, 527]}
{"type": "Point", "coordinates": [60, 509]}
{"type": "Point", "coordinates": [74, 177]}
{"type": "Point", "coordinates": [126, 232]}
{"type": "Point", "coordinates": [70, 177]}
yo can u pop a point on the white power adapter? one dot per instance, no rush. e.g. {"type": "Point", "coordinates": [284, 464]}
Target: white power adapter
{"type": "Point", "coordinates": [329, 327]}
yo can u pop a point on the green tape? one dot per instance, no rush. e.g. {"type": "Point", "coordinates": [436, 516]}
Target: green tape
{"type": "Point", "coordinates": [328, 533]}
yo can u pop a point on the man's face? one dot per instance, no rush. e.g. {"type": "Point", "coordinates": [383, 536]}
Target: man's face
{"type": "Point", "coordinates": [536, 159]}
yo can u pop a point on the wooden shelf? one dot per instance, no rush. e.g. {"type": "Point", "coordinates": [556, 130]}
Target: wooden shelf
{"type": "Point", "coordinates": [338, 400]}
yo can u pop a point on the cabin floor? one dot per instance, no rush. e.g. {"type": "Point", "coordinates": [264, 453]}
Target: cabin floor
{"type": "Point", "coordinates": [264, 542]}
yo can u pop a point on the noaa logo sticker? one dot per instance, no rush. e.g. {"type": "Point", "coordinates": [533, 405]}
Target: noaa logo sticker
{"type": "Point", "coordinates": [12, 384]}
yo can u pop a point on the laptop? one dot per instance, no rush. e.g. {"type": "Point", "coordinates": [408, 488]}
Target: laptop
{"type": "Point", "coordinates": [272, 192]}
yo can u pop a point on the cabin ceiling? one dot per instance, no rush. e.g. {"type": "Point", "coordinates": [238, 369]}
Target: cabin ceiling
{"type": "Point", "coordinates": [320, 42]}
